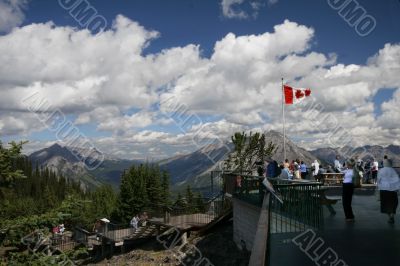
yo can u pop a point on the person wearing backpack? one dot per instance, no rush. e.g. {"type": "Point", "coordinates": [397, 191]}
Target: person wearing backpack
{"type": "Point", "coordinates": [388, 185]}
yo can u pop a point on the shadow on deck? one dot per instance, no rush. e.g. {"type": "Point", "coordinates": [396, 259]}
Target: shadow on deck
{"type": "Point", "coordinates": [369, 241]}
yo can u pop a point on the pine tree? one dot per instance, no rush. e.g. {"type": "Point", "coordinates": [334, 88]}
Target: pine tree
{"type": "Point", "coordinates": [199, 203]}
{"type": "Point", "coordinates": [153, 187]}
{"type": "Point", "coordinates": [8, 156]}
{"type": "Point", "coordinates": [165, 188]}
{"type": "Point", "coordinates": [103, 201]}
{"type": "Point", "coordinates": [190, 199]}
{"type": "Point", "coordinates": [250, 150]}
{"type": "Point", "coordinates": [133, 195]}
{"type": "Point", "coordinates": [180, 202]}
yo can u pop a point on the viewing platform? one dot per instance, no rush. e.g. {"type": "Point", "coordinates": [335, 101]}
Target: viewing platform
{"type": "Point", "coordinates": [369, 241]}
{"type": "Point", "coordinates": [270, 229]}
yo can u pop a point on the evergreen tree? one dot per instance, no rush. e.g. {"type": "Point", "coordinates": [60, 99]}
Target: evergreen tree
{"type": "Point", "coordinates": [8, 157]}
{"type": "Point", "coordinates": [199, 203]}
{"type": "Point", "coordinates": [180, 202]}
{"type": "Point", "coordinates": [103, 201]}
{"type": "Point", "coordinates": [153, 187]}
{"type": "Point", "coordinates": [189, 196]}
{"type": "Point", "coordinates": [165, 188]}
{"type": "Point", "coordinates": [133, 195]}
{"type": "Point", "coordinates": [250, 150]}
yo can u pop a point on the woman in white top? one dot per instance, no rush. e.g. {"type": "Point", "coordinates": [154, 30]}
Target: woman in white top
{"type": "Point", "coordinates": [388, 183]}
{"type": "Point", "coordinates": [348, 190]}
{"type": "Point", "coordinates": [374, 170]}
{"type": "Point", "coordinates": [315, 166]}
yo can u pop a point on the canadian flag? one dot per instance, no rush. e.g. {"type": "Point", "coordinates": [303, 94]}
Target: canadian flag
{"type": "Point", "coordinates": [295, 95]}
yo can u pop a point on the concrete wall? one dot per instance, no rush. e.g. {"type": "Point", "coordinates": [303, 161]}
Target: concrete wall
{"type": "Point", "coordinates": [245, 220]}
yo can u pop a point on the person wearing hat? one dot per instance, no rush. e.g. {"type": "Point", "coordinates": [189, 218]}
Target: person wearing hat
{"type": "Point", "coordinates": [348, 190]}
{"type": "Point", "coordinates": [388, 184]}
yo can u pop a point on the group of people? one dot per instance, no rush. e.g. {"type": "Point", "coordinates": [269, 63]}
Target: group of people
{"type": "Point", "coordinates": [388, 184]}
{"type": "Point", "coordinates": [139, 220]}
{"type": "Point", "coordinates": [59, 229]}
{"type": "Point", "coordinates": [297, 169]}
{"type": "Point", "coordinates": [368, 170]}
{"type": "Point", "coordinates": [355, 170]}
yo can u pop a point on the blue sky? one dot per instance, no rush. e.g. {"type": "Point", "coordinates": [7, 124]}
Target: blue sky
{"type": "Point", "coordinates": [187, 63]}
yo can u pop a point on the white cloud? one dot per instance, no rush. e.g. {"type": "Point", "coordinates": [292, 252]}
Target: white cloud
{"type": "Point", "coordinates": [79, 73]}
{"type": "Point", "coordinates": [235, 8]}
{"type": "Point", "coordinates": [107, 80]}
{"type": "Point", "coordinates": [11, 14]}
{"type": "Point", "coordinates": [391, 112]}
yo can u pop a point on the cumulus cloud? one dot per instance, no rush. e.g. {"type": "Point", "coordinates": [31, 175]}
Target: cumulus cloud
{"type": "Point", "coordinates": [11, 14]}
{"type": "Point", "coordinates": [145, 100]}
{"type": "Point", "coordinates": [78, 72]}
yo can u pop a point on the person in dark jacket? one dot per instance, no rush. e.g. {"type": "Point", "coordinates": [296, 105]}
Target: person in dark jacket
{"type": "Point", "coordinates": [273, 169]}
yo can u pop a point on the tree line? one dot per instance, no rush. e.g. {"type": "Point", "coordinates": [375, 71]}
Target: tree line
{"type": "Point", "coordinates": [34, 197]}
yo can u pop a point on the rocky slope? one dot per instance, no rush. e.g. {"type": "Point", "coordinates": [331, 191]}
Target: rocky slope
{"type": "Point", "coordinates": [365, 152]}
{"type": "Point", "coordinates": [68, 162]}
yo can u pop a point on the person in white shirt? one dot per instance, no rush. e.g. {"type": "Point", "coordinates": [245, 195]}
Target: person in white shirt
{"type": "Point", "coordinates": [348, 190]}
{"type": "Point", "coordinates": [62, 228]}
{"type": "Point", "coordinates": [337, 165]}
{"type": "Point", "coordinates": [388, 184]}
{"type": "Point", "coordinates": [374, 170]}
{"type": "Point", "coordinates": [134, 222]}
{"type": "Point", "coordinates": [315, 166]}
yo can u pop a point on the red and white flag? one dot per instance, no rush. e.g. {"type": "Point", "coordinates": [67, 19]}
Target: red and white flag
{"type": "Point", "coordinates": [295, 95]}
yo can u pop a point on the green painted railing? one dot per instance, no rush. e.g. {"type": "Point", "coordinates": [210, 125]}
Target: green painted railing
{"type": "Point", "coordinates": [301, 207]}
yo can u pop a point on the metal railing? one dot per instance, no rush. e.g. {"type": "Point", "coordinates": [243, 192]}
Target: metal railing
{"type": "Point", "coordinates": [63, 242]}
{"type": "Point", "coordinates": [196, 214]}
{"type": "Point", "coordinates": [296, 208]}
{"type": "Point", "coordinates": [301, 206]}
{"type": "Point", "coordinates": [118, 232]}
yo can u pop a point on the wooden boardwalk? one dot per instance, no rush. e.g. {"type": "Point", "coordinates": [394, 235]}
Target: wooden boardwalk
{"type": "Point", "coordinates": [119, 236]}
{"type": "Point", "coordinates": [187, 221]}
{"type": "Point", "coordinates": [154, 227]}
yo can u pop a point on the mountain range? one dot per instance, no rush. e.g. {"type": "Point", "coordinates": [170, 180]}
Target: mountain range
{"type": "Point", "coordinates": [68, 162]}
{"type": "Point", "coordinates": [367, 152]}
{"type": "Point", "coordinates": [190, 169]}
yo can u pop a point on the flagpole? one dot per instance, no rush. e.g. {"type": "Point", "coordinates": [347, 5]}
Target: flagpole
{"type": "Point", "coordinates": [283, 119]}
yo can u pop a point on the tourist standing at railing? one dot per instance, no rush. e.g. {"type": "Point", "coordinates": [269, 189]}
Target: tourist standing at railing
{"type": "Point", "coordinates": [303, 170]}
{"type": "Point", "coordinates": [337, 165]}
{"type": "Point", "coordinates": [285, 173]}
{"type": "Point", "coordinates": [361, 167]}
{"type": "Point", "coordinates": [61, 229]}
{"type": "Point", "coordinates": [286, 164]}
{"type": "Point", "coordinates": [385, 157]}
{"type": "Point", "coordinates": [315, 167]}
{"type": "Point", "coordinates": [374, 170]}
{"type": "Point", "coordinates": [292, 168]}
{"type": "Point", "coordinates": [296, 170]}
{"type": "Point", "coordinates": [273, 169]}
{"type": "Point", "coordinates": [134, 222]}
{"type": "Point", "coordinates": [348, 190]}
{"type": "Point", "coordinates": [388, 184]}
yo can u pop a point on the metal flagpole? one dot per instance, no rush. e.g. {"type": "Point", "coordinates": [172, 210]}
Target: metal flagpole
{"type": "Point", "coordinates": [283, 118]}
